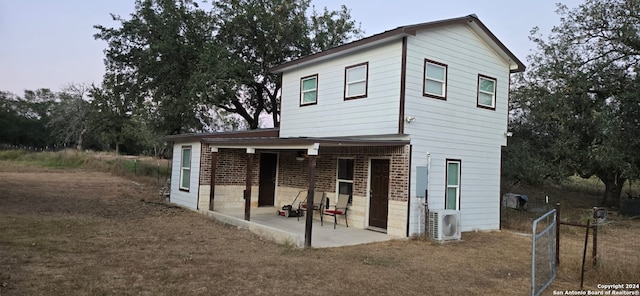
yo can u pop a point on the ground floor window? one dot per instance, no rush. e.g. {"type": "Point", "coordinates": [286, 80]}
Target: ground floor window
{"type": "Point", "coordinates": [345, 177]}
{"type": "Point", "coordinates": [452, 195]}
{"type": "Point", "coordinates": [185, 168]}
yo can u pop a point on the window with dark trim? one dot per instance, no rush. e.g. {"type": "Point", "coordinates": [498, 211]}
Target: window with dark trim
{"type": "Point", "coordinates": [435, 80]}
{"type": "Point", "coordinates": [452, 193]}
{"type": "Point", "coordinates": [486, 92]}
{"type": "Point", "coordinates": [345, 177]}
{"type": "Point", "coordinates": [309, 90]}
{"type": "Point", "coordinates": [356, 81]}
{"type": "Point", "coordinates": [185, 168]}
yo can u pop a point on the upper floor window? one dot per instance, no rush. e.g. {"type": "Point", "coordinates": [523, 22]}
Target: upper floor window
{"type": "Point", "coordinates": [486, 92]}
{"type": "Point", "coordinates": [452, 195]}
{"type": "Point", "coordinates": [435, 80]}
{"type": "Point", "coordinates": [185, 168]}
{"type": "Point", "coordinates": [356, 81]}
{"type": "Point", "coordinates": [309, 90]}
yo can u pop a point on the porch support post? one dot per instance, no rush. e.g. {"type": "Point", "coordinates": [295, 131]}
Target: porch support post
{"type": "Point", "coordinates": [214, 163]}
{"type": "Point", "coordinates": [311, 180]}
{"type": "Point", "coordinates": [249, 181]}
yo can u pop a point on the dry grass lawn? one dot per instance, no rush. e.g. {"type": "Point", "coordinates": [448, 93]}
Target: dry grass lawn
{"type": "Point", "coordinates": [75, 232]}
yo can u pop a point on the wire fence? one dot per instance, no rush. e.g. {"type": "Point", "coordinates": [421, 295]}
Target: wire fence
{"type": "Point", "coordinates": [618, 247]}
{"type": "Point", "coordinates": [518, 211]}
{"type": "Point", "coordinates": [608, 252]}
{"type": "Point", "coordinates": [4, 147]}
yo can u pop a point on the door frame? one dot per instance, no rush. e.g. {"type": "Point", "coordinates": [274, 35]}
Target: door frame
{"type": "Point", "coordinates": [368, 193]}
{"type": "Point", "coordinates": [275, 186]}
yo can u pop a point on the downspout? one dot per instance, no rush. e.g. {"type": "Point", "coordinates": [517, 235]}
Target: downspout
{"type": "Point", "coordinates": [403, 93]}
{"type": "Point", "coordinates": [409, 192]}
{"type": "Point", "coordinates": [199, 169]}
{"type": "Point", "coordinates": [426, 194]}
{"type": "Point", "coordinates": [403, 83]}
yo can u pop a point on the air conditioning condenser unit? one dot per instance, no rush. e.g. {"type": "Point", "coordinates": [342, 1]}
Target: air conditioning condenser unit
{"type": "Point", "coordinates": [444, 225]}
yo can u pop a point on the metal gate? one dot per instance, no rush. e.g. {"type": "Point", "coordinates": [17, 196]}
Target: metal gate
{"type": "Point", "coordinates": [543, 252]}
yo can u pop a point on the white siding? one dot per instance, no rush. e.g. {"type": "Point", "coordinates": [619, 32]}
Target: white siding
{"type": "Point", "coordinates": [456, 128]}
{"type": "Point", "coordinates": [332, 115]}
{"type": "Point", "coordinates": [187, 199]}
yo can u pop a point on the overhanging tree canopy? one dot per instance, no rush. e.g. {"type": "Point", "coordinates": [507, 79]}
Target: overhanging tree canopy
{"type": "Point", "coordinates": [154, 55]}
{"type": "Point", "coordinates": [577, 106]}
{"type": "Point", "coordinates": [188, 60]}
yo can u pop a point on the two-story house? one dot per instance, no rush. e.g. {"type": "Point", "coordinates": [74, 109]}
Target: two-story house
{"type": "Point", "coordinates": [410, 118]}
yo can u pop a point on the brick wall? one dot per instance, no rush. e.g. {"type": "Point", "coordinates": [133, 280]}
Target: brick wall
{"type": "Point", "coordinates": [232, 166]}
{"type": "Point", "coordinates": [205, 165]}
{"type": "Point", "coordinates": [293, 173]}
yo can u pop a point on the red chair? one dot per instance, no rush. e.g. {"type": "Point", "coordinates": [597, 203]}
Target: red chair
{"type": "Point", "coordinates": [341, 208]}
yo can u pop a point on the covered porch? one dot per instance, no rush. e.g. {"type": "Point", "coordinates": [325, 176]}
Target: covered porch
{"type": "Point", "coordinates": [241, 177]}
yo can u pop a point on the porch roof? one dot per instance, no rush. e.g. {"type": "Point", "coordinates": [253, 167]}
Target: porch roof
{"type": "Point", "coordinates": [309, 143]}
{"type": "Point", "coordinates": [258, 133]}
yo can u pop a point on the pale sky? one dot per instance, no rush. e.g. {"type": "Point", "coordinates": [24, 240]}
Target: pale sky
{"type": "Point", "coordinates": [49, 44]}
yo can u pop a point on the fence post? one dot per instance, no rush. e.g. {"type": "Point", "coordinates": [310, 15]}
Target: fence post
{"type": "Point", "coordinates": [594, 251]}
{"type": "Point", "coordinates": [557, 233]}
{"type": "Point", "coordinates": [584, 253]}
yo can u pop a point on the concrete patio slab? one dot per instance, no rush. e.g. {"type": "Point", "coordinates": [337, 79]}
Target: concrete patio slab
{"type": "Point", "coordinates": [267, 224]}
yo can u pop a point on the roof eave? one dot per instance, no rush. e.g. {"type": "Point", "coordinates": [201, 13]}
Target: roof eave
{"type": "Point", "coordinates": [373, 40]}
{"type": "Point", "coordinates": [515, 65]}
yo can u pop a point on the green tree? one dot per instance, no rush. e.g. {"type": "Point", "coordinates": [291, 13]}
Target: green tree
{"type": "Point", "coordinates": [9, 117]}
{"type": "Point", "coordinates": [111, 111]}
{"type": "Point", "coordinates": [148, 140]}
{"type": "Point", "coordinates": [156, 53]}
{"type": "Point", "coordinates": [576, 103]}
{"type": "Point", "coordinates": [263, 34]}
{"type": "Point", "coordinates": [24, 119]}
{"type": "Point", "coordinates": [188, 61]}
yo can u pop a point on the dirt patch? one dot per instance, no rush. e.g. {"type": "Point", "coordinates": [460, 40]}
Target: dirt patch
{"type": "Point", "coordinates": [88, 233]}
